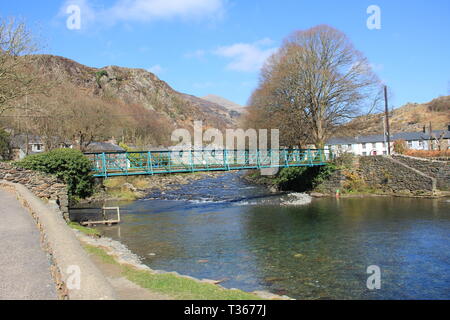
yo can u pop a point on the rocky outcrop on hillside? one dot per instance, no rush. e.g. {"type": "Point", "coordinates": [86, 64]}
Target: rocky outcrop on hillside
{"type": "Point", "coordinates": [409, 118]}
{"type": "Point", "coordinates": [234, 109]}
{"type": "Point", "coordinates": [134, 86]}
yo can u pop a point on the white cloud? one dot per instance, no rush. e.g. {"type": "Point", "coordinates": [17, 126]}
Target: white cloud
{"type": "Point", "coordinates": [247, 57]}
{"type": "Point", "coordinates": [198, 54]}
{"type": "Point", "coordinates": [146, 10]}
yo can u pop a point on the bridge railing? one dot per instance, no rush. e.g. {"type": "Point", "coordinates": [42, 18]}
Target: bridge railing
{"type": "Point", "coordinates": [156, 162]}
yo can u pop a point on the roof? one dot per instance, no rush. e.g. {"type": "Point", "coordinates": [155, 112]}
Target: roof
{"type": "Point", "coordinates": [103, 147]}
{"type": "Point", "coordinates": [407, 136]}
{"type": "Point", "coordinates": [19, 141]}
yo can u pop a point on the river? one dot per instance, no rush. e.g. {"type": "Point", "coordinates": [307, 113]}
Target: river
{"type": "Point", "coordinates": [225, 228]}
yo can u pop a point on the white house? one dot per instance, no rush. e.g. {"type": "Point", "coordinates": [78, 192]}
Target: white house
{"type": "Point", "coordinates": [23, 145]}
{"type": "Point", "coordinates": [376, 144]}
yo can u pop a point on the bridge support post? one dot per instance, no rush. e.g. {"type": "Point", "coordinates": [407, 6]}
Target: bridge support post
{"type": "Point", "coordinates": [286, 160]}
{"type": "Point", "coordinates": [310, 158]}
{"type": "Point", "coordinates": [149, 163]}
{"type": "Point", "coordinates": [105, 170]}
{"type": "Point", "coordinates": [258, 159]}
{"type": "Point", "coordinates": [191, 160]}
{"type": "Point", "coordinates": [225, 160]}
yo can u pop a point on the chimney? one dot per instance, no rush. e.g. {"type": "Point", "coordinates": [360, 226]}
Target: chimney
{"type": "Point", "coordinates": [424, 129]}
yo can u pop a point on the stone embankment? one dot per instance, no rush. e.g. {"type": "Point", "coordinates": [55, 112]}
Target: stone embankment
{"type": "Point", "coordinates": [440, 170]}
{"type": "Point", "coordinates": [45, 187]}
{"type": "Point", "coordinates": [399, 175]}
{"type": "Point", "coordinates": [391, 175]}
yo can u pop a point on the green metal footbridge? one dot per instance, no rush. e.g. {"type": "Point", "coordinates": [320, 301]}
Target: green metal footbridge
{"type": "Point", "coordinates": [110, 164]}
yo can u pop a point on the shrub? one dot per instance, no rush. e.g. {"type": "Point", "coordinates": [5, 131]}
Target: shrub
{"type": "Point", "coordinates": [68, 165]}
{"type": "Point", "coordinates": [428, 153]}
{"type": "Point", "coordinates": [303, 178]}
{"type": "Point", "coordinates": [400, 146]}
{"type": "Point", "coordinates": [354, 182]}
{"type": "Point", "coordinates": [345, 160]}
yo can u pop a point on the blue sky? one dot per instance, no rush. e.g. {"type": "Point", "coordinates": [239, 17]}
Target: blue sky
{"type": "Point", "coordinates": [217, 46]}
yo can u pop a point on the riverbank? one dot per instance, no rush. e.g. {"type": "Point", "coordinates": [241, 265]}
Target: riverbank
{"type": "Point", "coordinates": [133, 280]}
{"type": "Point", "coordinates": [352, 176]}
{"type": "Point", "coordinates": [229, 230]}
{"type": "Point", "coordinates": [356, 190]}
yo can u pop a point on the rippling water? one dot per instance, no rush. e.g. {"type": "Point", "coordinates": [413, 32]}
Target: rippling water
{"type": "Point", "coordinates": [224, 228]}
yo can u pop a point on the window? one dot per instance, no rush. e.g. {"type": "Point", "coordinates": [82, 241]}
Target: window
{"type": "Point", "coordinates": [364, 154]}
{"type": "Point", "coordinates": [349, 146]}
{"type": "Point", "coordinates": [410, 144]}
{"type": "Point", "coordinates": [385, 153]}
{"type": "Point", "coordinates": [364, 145]}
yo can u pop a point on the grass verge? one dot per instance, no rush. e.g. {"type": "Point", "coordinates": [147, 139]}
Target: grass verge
{"type": "Point", "coordinates": [85, 230]}
{"type": "Point", "coordinates": [178, 287]}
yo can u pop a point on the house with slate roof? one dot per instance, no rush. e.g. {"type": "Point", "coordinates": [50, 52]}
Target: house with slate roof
{"type": "Point", "coordinates": [377, 144]}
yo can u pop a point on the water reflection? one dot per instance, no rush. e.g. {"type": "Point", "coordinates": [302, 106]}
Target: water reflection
{"type": "Point", "coordinates": [320, 250]}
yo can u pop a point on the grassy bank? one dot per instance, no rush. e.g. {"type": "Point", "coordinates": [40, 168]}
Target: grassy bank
{"type": "Point", "coordinates": [175, 286]}
{"type": "Point", "coordinates": [87, 231]}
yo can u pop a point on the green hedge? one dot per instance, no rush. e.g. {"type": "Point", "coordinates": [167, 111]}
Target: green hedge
{"type": "Point", "coordinates": [303, 179]}
{"type": "Point", "coordinates": [68, 165]}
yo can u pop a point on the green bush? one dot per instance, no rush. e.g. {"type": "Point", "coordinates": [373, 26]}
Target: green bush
{"type": "Point", "coordinates": [68, 165]}
{"type": "Point", "coordinates": [303, 179]}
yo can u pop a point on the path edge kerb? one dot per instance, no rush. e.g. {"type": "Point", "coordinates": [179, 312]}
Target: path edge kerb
{"type": "Point", "coordinates": [65, 249]}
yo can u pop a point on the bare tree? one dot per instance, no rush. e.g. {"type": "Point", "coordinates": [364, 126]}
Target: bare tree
{"type": "Point", "coordinates": [319, 79]}
{"type": "Point", "coordinates": [17, 78]}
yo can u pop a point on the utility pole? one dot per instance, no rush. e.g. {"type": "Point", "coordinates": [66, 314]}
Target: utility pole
{"type": "Point", "coordinates": [388, 129]}
{"type": "Point", "coordinates": [384, 133]}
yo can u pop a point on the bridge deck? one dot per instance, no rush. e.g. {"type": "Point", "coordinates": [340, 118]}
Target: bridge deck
{"type": "Point", "coordinates": [164, 162]}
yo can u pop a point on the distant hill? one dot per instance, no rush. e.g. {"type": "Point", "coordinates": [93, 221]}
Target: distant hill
{"type": "Point", "coordinates": [409, 118]}
{"type": "Point", "coordinates": [135, 86]}
{"type": "Point", "coordinates": [236, 109]}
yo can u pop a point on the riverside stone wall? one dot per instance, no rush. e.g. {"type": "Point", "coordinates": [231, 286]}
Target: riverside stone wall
{"type": "Point", "coordinates": [43, 186]}
{"type": "Point", "coordinates": [440, 170]}
{"type": "Point", "coordinates": [391, 175]}
{"type": "Point", "coordinates": [333, 183]}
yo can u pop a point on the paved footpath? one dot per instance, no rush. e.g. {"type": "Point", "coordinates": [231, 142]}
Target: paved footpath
{"type": "Point", "coordinates": [24, 265]}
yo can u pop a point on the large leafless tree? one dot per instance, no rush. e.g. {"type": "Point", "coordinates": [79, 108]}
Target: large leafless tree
{"type": "Point", "coordinates": [316, 82]}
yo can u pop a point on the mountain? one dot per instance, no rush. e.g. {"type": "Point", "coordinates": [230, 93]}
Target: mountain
{"type": "Point", "coordinates": [236, 109]}
{"type": "Point", "coordinates": [134, 87]}
{"type": "Point", "coordinates": [409, 118]}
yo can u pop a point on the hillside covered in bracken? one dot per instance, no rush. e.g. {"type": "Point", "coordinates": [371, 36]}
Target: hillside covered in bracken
{"type": "Point", "coordinates": [145, 108]}
{"type": "Point", "coordinates": [409, 118]}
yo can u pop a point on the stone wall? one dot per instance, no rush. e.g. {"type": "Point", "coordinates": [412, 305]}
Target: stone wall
{"type": "Point", "coordinates": [391, 175]}
{"type": "Point", "coordinates": [440, 170]}
{"type": "Point", "coordinates": [333, 183]}
{"type": "Point", "coordinates": [44, 186]}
